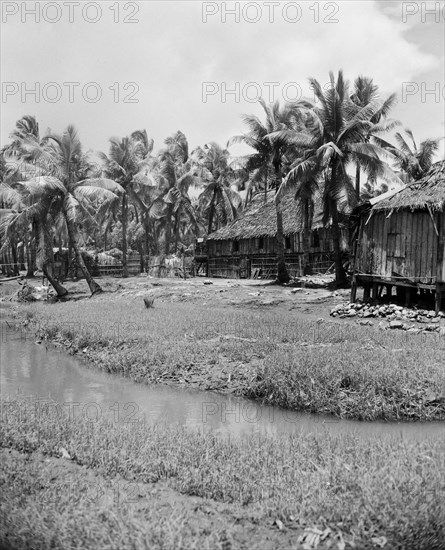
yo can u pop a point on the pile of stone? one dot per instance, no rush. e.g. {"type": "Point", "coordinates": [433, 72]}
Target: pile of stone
{"type": "Point", "coordinates": [398, 317]}
{"type": "Point", "coordinates": [312, 281]}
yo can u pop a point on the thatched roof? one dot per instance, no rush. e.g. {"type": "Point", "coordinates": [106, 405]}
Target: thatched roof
{"type": "Point", "coordinates": [429, 192]}
{"type": "Point", "coordinates": [260, 219]}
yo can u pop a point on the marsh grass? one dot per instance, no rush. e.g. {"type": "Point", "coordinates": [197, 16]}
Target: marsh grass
{"type": "Point", "coordinates": [282, 359]}
{"type": "Point", "coordinates": [383, 487]}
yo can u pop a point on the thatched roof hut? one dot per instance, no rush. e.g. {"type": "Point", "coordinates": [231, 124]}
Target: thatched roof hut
{"type": "Point", "coordinates": [402, 238]}
{"type": "Point", "coordinates": [249, 243]}
{"type": "Point", "coordinates": [428, 193]}
{"type": "Point", "coordinates": [260, 219]}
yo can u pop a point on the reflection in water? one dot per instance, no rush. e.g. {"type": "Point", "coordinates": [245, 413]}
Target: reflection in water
{"type": "Point", "coordinates": [35, 371]}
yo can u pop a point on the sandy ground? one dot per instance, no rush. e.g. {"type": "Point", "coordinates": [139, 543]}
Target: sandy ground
{"type": "Point", "coordinates": [221, 292]}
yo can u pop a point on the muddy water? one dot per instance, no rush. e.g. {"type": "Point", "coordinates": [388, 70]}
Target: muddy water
{"type": "Point", "coordinates": [39, 373]}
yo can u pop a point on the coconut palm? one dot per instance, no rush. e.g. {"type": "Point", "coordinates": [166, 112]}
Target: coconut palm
{"type": "Point", "coordinates": [218, 202]}
{"type": "Point", "coordinates": [64, 176]}
{"type": "Point", "coordinates": [256, 167]}
{"type": "Point", "coordinates": [25, 128]}
{"type": "Point", "coordinates": [23, 203]}
{"type": "Point", "coordinates": [176, 174]}
{"type": "Point", "coordinates": [269, 139]}
{"type": "Point", "coordinates": [371, 190]}
{"type": "Point", "coordinates": [333, 139]}
{"type": "Point", "coordinates": [127, 164]}
{"type": "Point", "coordinates": [413, 161]}
{"type": "Point", "coordinates": [366, 93]}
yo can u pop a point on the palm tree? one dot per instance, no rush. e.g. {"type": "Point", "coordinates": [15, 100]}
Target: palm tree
{"type": "Point", "coordinates": [176, 174]}
{"type": "Point", "coordinates": [218, 202]}
{"type": "Point", "coordinates": [307, 187]}
{"type": "Point", "coordinates": [69, 183]}
{"type": "Point", "coordinates": [257, 166]}
{"type": "Point", "coordinates": [366, 93]}
{"type": "Point", "coordinates": [25, 128]}
{"type": "Point", "coordinates": [334, 138]}
{"type": "Point", "coordinates": [127, 165]}
{"type": "Point", "coordinates": [413, 161]}
{"type": "Point", "coordinates": [268, 138]}
{"type": "Point", "coordinates": [371, 190]}
{"type": "Point", "coordinates": [29, 202]}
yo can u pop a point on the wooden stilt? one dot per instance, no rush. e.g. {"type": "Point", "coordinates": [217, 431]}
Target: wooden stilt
{"type": "Point", "coordinates": [438, 297]}
{"type": "Point", "coordinates": [408, 297]}
{"type": "Point", "coordinates": [366, 292]}
{"type": "Point", "coordinates": [440, 259]}
{"type": "Point", "coordinates": [374, 291]}
{"type": "Point", "coordinates": [354, 285]}
{"type": "Point", "coordinates": [356, 253]}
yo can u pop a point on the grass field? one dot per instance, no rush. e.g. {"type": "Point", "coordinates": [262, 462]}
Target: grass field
{"type": "Point", "coordinates": [281, 351]}
{"type": "Point", "coordinates": [167, 487]}
{"type": "Point", "coordinates": [133, 486]}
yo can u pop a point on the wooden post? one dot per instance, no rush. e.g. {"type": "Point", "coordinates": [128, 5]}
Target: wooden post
{"type": "Point", "coordinates": [439, 291]}
{"type": "Point", "coordinates": [353, 296]}
{"type": "Point", "coordinates": [440, 259]}
{"type": "Point", "coordinates": [356, 249]}
{"type": "Point", "coordinates": [374, 291]}
{"type": "Point", "coordinates": [408, 297]}
{"type": "Point", "coordinates": [366, 292]}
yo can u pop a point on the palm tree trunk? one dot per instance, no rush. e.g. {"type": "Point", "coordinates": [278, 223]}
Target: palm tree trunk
{"type": "Point", "coordinates": [105, 237]}
{"type": "Point", "coordinates": [47, 256]}
{"type": "Point", "coordinates": [28, 259]}
{"type": "Point", "coordinates": [211, 213]}
{"type": "Point", "coordinates": [33, 248]}
{"type": "Point", "coordinates": [22, 256]}
{"type": "Point", "coordinates": [147, 242]}
{"type": "Point", "coordinates": [176, 231]}
{"type": "Point", "coordinates": [306, 238]}
{"type": "Point", "coordinates": [168, 230]}
{"type": "Point", "coordinates": [8, 262]}
{"type": "Point", "coordinates": [141, 256]}
{"type": "Point", "coordinates": [124, 234]}
{"type": "Point", "coordinates": [282, 274]}
{"type": "Point", "coordinates": [340, 274]}
{"type": "Point", "coordinates": [265, 184]}
{"type": "Point", "coordinates": [14, 257]}
{"type": "Point", "coordinates": [94, 287]}
{"type": "Point", "coordinates": [357, 182]}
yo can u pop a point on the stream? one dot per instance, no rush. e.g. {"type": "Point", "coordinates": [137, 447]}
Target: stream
{"type": "Point", "coordinates": [46, 374]}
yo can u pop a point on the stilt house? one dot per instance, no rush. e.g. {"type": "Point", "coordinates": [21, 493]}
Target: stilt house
{"type": "Point", "coordinates": [401, 240]}
{"type": "Point", "coordinates": [248, 246]}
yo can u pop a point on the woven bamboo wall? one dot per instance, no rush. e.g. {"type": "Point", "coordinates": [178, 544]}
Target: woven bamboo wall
{"type": "Point", "coordinates": [268, 245]}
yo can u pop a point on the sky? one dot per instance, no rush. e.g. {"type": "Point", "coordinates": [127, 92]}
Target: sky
{"type": "Point", "coordinates": [197, 67]}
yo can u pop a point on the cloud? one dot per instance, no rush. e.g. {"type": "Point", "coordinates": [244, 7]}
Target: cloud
{"type": "Point", "coordinates": [170, 53]}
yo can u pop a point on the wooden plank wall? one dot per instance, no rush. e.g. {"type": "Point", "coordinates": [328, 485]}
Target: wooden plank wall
{"type": "Point", "coordinates": [401, 245]}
